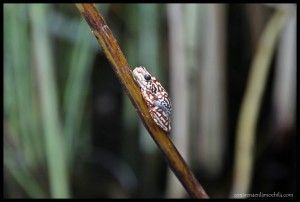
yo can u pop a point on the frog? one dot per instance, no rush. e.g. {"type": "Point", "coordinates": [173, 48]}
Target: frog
{"type": "Point", "coordinates": [155, 96]}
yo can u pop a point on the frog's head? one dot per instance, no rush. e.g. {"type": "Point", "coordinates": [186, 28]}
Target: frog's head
{"type": "Point", "coordinates": [142, 77]}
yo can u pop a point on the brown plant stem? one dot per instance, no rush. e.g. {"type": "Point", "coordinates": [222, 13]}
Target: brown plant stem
{"type": "Point", "coordinates": [123, 72]}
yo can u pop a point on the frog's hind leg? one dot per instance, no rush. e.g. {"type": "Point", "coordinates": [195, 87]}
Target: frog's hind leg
{"type": "Point", "coordinates": [160, 118]}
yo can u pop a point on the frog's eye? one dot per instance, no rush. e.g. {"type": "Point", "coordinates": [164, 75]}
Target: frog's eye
{"type": "Point", "coordinates": [147, 77]}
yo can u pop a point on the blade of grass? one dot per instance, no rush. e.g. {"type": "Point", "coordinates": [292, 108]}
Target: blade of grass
{"type": "Point", "coordinates": [76, 88]}
{"type": "Point", "coordinates": [16, 97]}
{"type": "Point", "coordinates": [10, 101]}
{"type": "Point", "coordinates": [54, 142]}
{"type": "Point", "coordinates": [16, 36]}
{"type": "Point", "coordinates": [244, 149]}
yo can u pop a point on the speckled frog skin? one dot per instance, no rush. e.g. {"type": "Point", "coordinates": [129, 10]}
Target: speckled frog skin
{"type": "Point", "coordinates": [156, 97]}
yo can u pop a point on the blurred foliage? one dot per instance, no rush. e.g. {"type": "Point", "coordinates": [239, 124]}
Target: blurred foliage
{"type": "Point", "coordinates": [70, 131]}
{"type": "Point", "coordinates": [30, 77]}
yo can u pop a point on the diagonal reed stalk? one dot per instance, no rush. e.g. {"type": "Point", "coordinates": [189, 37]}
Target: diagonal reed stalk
{"type": "Point", "coordinates": [123, 72]}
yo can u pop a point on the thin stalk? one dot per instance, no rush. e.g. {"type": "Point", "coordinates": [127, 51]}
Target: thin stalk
{"type": "Point", "coordinates": [244, 150]}
{"type": "Point", "coordinates": [120, 66]}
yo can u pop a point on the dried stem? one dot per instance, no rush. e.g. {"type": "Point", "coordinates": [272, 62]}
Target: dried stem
{"type": "Point", "coordinates": [123, 72]}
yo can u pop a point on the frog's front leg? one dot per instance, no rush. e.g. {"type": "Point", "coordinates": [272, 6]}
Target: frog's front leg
{"type": "Point", "coordinates": [148, 97]}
